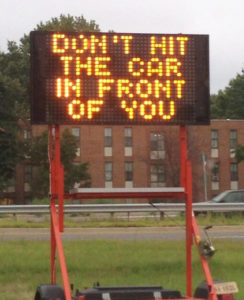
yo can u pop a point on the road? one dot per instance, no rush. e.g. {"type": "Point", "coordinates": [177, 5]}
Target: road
{"type": "Point", "coordinates": [131, 234]}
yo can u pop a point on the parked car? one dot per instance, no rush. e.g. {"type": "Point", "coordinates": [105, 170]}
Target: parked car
{"type": "Point", "coordinates": [229, 196]}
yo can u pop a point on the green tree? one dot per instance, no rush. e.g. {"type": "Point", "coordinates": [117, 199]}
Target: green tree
{"type": "Point", "coordinates": [239, 153]}
{"type": "Point", "coordinates": [8, 148]}
{"type": "Point", "coordinates": [15, 94]}
{"type": "Point", "coordinates": [14, 100]}
{"type": "Point", "coordinates": [68, 23]}
{"type": "Point", "coordinates": [229, 103]}
{"type": "Point", "coordinates": [10, 144]}
{"type": "Point", "coordinates": [74, 172]}
{"type": "Point", "coordinates": [15, 63]}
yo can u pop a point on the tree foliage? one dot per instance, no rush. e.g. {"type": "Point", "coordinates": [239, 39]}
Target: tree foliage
{"type": "Point", "coordinates": [10, 144]}
{"type": "Point", "coordinates": [229, 103]}
{"type": "Point", "coordinates": [8, 148]}
{"type": "Point", "coordinates": [15, 63]}
{"type": "Point", "coordinates": [239, 153]}
{"type": "Point", "coordinates": [14, 106]}
{"type": "Point", "coordinates": [68, 23]}
{"type": "Point", "coordinates": [15, 94]}
{"type": "Point", "coordinates": [74, 172]}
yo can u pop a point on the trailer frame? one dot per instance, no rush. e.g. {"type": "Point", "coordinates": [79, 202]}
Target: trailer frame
{"type": "Point", "coordinates": [57, 197]}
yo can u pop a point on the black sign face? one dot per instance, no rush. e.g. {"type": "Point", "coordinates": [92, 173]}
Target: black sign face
{"type": "Point", "coordinates": [114, 78]}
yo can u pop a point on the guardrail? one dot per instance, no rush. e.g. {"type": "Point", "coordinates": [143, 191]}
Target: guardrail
{"type": "Point", "coordinates": [122, 208]}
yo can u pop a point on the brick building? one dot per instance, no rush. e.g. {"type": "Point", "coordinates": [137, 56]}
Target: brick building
{"type": "Point", "coordinates": [144, 156]}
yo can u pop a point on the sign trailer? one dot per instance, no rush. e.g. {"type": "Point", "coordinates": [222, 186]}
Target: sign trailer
{"type": "Point", "coordinates": [80, 78]}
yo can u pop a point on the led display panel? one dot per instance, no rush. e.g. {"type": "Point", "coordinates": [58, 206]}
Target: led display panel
{"type": "Point", "coordinates": [119, 78]}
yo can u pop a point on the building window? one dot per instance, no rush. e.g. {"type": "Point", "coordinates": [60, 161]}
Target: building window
{"type": "Point", "coordinates": [233, 139]}
{"type": "Point", "coordinates": [157, 145]}
{"type": "Point", "coordinates": [215, 172]}
{"type": "Point", "coordinates": [214, 144]}
{"type": "Point", "coordinates": [76, 133]}
{"type": "Point", "coordinates": [108, 137]}
{"type": "Point", "coordinates": [27, 177]}
{"type": "Point", "coordinates": [11, 186]}
{"type": "Point", "coordinates": [128, 142]}
{"type": "Point", "coordinates": [128, 137]}
{"type": "Point", "coordinates": [108, 142]}
{"type": "Point", "coordinates": [233, 172]}
{"type": "Point", "coordinates": [27, 134]}
{"type": "Point", "coordinates": [214, 139]}
{"type": "Point", "coordinates": [157, 176]}
{"type": "Point", "coordinates": [108, 173]}
{"type": "Point", "coordinates": [129, 171]}
{"type": "Point", "coordinates": [215, 177]}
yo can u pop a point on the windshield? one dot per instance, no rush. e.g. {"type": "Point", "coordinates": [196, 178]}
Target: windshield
{"type": "Point", "coordinates": [219, 197]}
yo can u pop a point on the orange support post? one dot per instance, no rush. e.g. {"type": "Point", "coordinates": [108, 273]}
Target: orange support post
{"type": "Point", "coordinates": [205, 266]}
{"type": "Point", "coordinates": [53, 253]}
{"type": "Point", "coordinates": [57, 193]}
{"type": "Point", "coordinates": [183, 155]}
{"type": "Point", "coordinates": [189, 240]}
{"type": "Point", "coordinates": [186, 182]}
{"type": "Point", "coordinates": [191, 224]}
{"type": "Point", "coordinates": [58, 241]}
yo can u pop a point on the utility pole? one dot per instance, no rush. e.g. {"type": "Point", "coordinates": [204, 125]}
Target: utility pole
{"type": "Point", "coordinates": [204, 163]}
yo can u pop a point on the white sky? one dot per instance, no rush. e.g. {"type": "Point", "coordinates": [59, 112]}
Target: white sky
{"type": "Point", "coordinates": [222, 19]}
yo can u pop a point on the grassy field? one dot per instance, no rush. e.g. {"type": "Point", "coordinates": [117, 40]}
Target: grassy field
{"type": "Point", "coordinates": [25, 264]}
{"type": "Point", "coordinates": [79, 220]}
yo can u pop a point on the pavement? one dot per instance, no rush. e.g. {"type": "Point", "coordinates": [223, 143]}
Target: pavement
{"type": "Point", "coordinates": [128, 233]}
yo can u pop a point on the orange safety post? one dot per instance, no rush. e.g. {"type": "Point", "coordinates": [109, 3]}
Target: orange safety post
{"type": "Point", "coordinates": [183, 155]}
{"type": "Point", "coordinates": [186, 182]}
{"type": "Point", "coordinates": [189, 231]}
{"type": "Point", "coordinates": [205, 266]}
{"type": "Point", "coordinates": [58, 240]}
{"type": "Point", "coordinates": [53, 254]}
{"type": "Point", "coordinates": [191, 224]}
{"type": "Point", "coordinates": [57, 193]}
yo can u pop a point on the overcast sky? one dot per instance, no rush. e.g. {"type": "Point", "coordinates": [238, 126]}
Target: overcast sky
{"type": "Point", "coordinates": [222, 19]}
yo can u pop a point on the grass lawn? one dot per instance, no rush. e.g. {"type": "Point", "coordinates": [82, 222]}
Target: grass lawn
{"type": "Point", "coordinates": [25, 265]}
{"type": "Point", "coordinates": [79, 220]}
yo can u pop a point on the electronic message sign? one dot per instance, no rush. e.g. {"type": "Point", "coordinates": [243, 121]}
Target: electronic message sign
{"type": "Point", "coordinates": [115, 78]}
